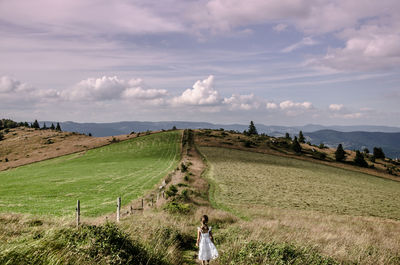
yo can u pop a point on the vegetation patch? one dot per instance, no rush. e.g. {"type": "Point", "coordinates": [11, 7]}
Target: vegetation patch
{"type": "Point", "coordinates": [273, 253]}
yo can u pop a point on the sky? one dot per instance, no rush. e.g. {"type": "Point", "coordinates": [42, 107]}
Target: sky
{"type": "Point", "coordinates": [276, 62]}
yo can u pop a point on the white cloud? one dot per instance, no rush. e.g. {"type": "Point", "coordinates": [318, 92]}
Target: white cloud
{"type": "Point", "coordinates": [307, 41]}
{"type": "Point", "coordinates": [336, 107]}
{"type": "Point", "coordinates": [271, 105]}
{"type": "Point", "coordinates": [280, 27]}
{"type": "Point", "coordinates": [242, 102]}
{"type": "Point", "coordinates": [202, 93]}
{"type": "Point", "coordinates": [288, 104]}
{"type": "Point", "coordinates": [8, 84]}
{"type": "Point", "coordinates": [355, 115]}
{"type": "Point", "coordinates": [111, 88]}
{"type": "Point", "coordinates": [371, 47]}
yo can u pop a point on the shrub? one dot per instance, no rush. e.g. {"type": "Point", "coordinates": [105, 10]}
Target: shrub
{"type": "Point", "coordinates": [89, 244]}
{"type": "Point", "coordinates": [340, 154]}
{"type": "Point", "coordinates": [177, 208]}
{"type": "Point", "coordinates": [171, 191]}
{"type": "Point", "coordinates": [184, 167]}
{"type": "Point", "coordinates": [1, 136]}
{"type": "Point", "coordinates": [186, 178]}
{"type": "Point", "coordinates": [359, 160]}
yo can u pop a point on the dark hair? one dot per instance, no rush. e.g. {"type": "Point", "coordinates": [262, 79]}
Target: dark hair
{"type": "Point", "coordinates": [204, 221]}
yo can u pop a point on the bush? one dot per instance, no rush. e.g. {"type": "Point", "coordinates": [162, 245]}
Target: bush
{"type": "Point", "coordinates": [186, 178]}
{"type": "Point", "coordinates": [171, 192]}
{"type": "Point", "coordinates": [359, 160]}
{"type": "Point", "coordinates": [89, 244]}
{"type": "Point", "coordinates": [1, 136]}
{"type": "Point", "coordinates": [177, 208]}
{"type": "Point", "coordinates": [184, 167]}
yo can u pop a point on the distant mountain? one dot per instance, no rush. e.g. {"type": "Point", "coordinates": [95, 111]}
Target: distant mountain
{"type": "Point", "coordinates": [390, 142]}
{"type": "Point", "coordinates": [353, 137]}
{"type": "Point", "coordinates": [124, 127]}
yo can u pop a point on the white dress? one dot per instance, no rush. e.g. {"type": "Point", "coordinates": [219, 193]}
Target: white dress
{"type": "Point", "coordinates": [207, 249]}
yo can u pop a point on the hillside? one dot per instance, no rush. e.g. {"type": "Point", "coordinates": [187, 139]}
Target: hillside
{"type": "Point", "coordinates": [96, 177]}
{"type": "Point", "coordinates": [24, 145]}
{"type": "Point", "coordinates": [390, 142]}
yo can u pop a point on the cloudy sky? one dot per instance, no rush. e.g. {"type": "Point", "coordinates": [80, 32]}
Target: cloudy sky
{"type": "Point", "coordinates": [283, 62]}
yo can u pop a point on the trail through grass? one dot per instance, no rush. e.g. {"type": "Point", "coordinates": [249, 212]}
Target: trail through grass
{"type": "Point", "coordinates": [245, 182]}
{"type": "Point", "coordinates": [97, 177]}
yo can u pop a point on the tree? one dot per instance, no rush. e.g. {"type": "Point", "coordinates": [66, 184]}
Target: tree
{"type": "Point", "coordinates": [340, 154]}
{"type": "Point", "coordinates": [301, 137]}
{"type": "Point", "coordinates": [1, 136]}
{"type": "Point", "coordinates": [359, 160]}
{"type": "Point", "coordinates": [44, 126]}
{"type": "Point", "coordinates": [52, 126]}
{"type": "Point", "coordinates": [174, 128]}
{"type": "Point", "coordinates": [287, 136]}
{"type": "Point", "coordinates": [252, 129]}
{"type": "Point", "coordinates": [58, 127]}
{"type": "Point", "coordinates": [296, 146]}
{"type": "Point", "coordinates": [378, 153]}
{"type": "Point", "coordinates": [90, 134]}
{"type": "Point", "coordinates": [366, 150]}
{"type": "Point", "coordinates": [35, 125]}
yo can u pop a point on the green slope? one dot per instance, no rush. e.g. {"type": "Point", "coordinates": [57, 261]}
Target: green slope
{"type": "Point", "coordinates": [248, 183]}
{"type": "Point", "coordinates": [97, 177]}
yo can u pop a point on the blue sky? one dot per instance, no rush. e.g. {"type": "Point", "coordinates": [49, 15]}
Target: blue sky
{"type": "Point", "coordinates": [286, 62]}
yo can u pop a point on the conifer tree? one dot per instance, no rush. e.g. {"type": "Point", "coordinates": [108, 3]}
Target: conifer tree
{"type": "Point", "coordinates": [301, 137]}
{"type": "Point", "coordinates": [52, 127]}
{"type": "Point", "coordinates": [378, 153]}
{"type": "Point", "coordinates": [296, 146]}
{"type": "Point", "coordinates": [287, 136]}
{"type": "Point", "coordinates": [252, 129]}
{"type": "Point", "coordinates": [35, 125]}
{"type": "Point", "coordinates": [359, 160]}
{"type": "Point", "coordinates": [340, 154]}
{"type": "Point", "coordinates": [58, 127]}
{"type": "Point", "coordinates": [44, 126]}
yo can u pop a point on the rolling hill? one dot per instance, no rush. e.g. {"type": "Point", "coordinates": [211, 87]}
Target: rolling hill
{"type": "Point", "coordinates": [390, 142]}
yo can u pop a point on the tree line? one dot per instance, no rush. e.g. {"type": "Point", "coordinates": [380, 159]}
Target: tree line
{"type": "Point", "coordinates": [7, 124]}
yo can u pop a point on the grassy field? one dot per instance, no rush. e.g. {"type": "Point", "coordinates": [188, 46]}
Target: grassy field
{"type": "Point", "coordinates": [349, 216]}
{"type": "Point", "coordinates": [96, 177]}
{"type": "Point", "coordinates": [244, 181]}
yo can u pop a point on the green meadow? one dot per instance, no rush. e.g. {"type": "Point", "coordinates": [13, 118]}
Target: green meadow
{"type": "Point", "coordinates": [96, 177]}
{"type": "Point", "coordinates": [248, 183]}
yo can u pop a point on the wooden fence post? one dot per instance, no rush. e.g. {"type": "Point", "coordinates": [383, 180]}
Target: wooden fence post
{"type": "Point", "coordinates": [142, 204]}
{"type": "Point", "coordinates": [78, 212]}
{"type": "Point", "coordinates": [118, 207]}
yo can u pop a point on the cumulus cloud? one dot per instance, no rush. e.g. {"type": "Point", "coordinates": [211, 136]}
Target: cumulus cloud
{"type": "Point", "coordinates": [288, 104]}
{"type": "Point", "coordinates": [271, 105]}
{"type": "Point", "coordinates": [111, 88]}
{"type": "Point", "coordinates": [8, 84]}
{"type": "Point", "coordinates": [307, 41]}
{"type": "Point", "coordinates": [242, 102]}
{"type": "Point", "coordinates": [371, 47]}
{"type": "Point", "coordinates": [336, 107]}
{"type": "Point", "coordinates": [202, 93]}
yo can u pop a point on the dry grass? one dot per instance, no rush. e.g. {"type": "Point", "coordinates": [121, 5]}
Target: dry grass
{"type": "Point", "coordinates": [284, 208]}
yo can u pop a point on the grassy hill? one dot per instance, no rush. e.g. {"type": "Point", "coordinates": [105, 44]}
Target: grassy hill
{"type": "Point", "coordinates": [96, 177]}
{"type": "Point", "coordinates": [245, 181]}
{"type": "Point", "coordinates": [269, 205]}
